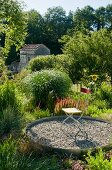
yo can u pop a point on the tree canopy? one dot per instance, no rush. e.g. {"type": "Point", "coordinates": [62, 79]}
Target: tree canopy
{"type": "Point", "coordinates": [55, 23]}
{"type": "Point", "coordinates": [91, 19]}
{"type": "Point", "coordinates": [92, 52]}
{"type": "Point", "coordinates": [50, 27]}
{"type": "Point", "coordinates": [34, 28]}
{"type": "Point", "coordinates": [12, 24]}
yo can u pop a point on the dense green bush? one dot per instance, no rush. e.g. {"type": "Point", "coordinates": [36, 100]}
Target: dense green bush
{"type": "Point", "coordinates": [10, 117]}
{"type": "Point", "coordinates": [59, 62]}
{"type": "Point", "coordinates": [46, 85]}
{"type": "Point", "coordinates": [100, 104]}
{"type": "Point", "coordinates": [36, 114]}
{"type": "Point", "coordinates": [3, 71]}
{"type": "Point", "coordinates": [41, 62]}
{"type": "Point", "coordinates": [97, 108]}
{"type": "Point", "coordinates": [10, 159]}
{"type": "Point", "coordinates": [63, 63]}
{"type": "Point", "coordinates": [7, 95]}
{"type": "Point", "coordinates": [94, 110]}
{"type": "Point", "coordinates": [21, 75]}
{"type": "Point", "coordinates": [105, 93]}
{"type": "Point", "coordinates": [10, 120]}
{"type": "Point", "coordinates": [2, 65]}
{"type": "Point", "coordinates": [98, 162]}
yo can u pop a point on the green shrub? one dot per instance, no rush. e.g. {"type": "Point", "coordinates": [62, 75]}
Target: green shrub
{"type": "Point", "coordinates": [59, 62]}
{"type": "Point", "coordinates": [36, 114]}
{"type": "Point", "coordinates": [49, 162]}
{"type": "Point", "coordinates": [9, 120]}
{"type": "Point", "coordinates": [40, 84]}
{"type": "Point", "coordinates": [105, 114]}
{"type": "Point", "coordinates": [10, 116]}
{"type": "Point", "coordinates": [10, 159]}
{"type": "Point", "coordinates": [105, 93]}
{"type": "Point", "coordinates": [41, 62]}
{"type": "Point", "coordinates": [7, 95]}
{"type": "Point", "coordinates": [63, 63]}
{"type": "Point", "coordinates": [101, 104]}
{"type": "Point", "coordinates": [98, 162]}
{"type": "Point", "coordinates": [94, 110]}
{"type": "Point", "coordinates": [21, 75]}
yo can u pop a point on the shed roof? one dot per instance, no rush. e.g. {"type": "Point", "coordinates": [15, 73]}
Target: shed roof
{"type": "Point", "coordinates": [32, 47]}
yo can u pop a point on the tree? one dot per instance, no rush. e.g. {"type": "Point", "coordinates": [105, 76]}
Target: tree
{"type": "Point", "coordinates": [100, 21]}
{"type": "Point", "coordinates": [92, 52]}
{"type": "Point", "coordinates": [91, 19]}
{"type": "Point", "coordinates": [12, 24]}
{"type": "Point", "coordinates": [84, 18]}
{"type": "Point", "coordinates": [56, 25]}
{"type": "Point", "coordinates": [109, 16]}
{"type": "Point", "coordinates": [34, 28]}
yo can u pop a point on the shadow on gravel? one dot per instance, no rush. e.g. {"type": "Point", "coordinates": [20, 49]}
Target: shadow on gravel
{"type": "Point", "coordinates": [86, 144]}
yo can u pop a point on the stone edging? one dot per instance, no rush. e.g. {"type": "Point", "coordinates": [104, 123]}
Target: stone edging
{"type": "Point", "coordinates": [68, 151]}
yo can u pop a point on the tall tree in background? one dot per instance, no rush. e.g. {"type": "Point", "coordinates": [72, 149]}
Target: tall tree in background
{"type": "Point", "coordinates": [12, 24]}
{"type": "Point", "coordinates": [48, 29]}
{"type": "Point", "coordinates": [91, 19]}
{"type": "Point", "coordinates": [100, 21]}
{"type": "Point", "coordinates": [109, 16]}
{"type": "Point", "coordinates": [56, 25]}
{"type": "Point", "coordinates": [84, 18]}
{"type": "Point", "coordinates": [35, 28]}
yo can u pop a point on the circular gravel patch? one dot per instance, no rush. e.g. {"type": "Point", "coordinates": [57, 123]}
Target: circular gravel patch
{"type": "Point", "coordinates": [87, 133]}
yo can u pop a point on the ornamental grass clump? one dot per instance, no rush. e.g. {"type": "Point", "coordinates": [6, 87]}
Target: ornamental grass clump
{"type": "Point", "coordinates": [11, 159]}
{"type": "Point", "coordinates": [69, 102]}
{"type": "Point", "coordinates": [46, 86]}
{"type": "Point", "coordinates": [10, 115]}
{"type": "Point", "coordinates": [7, 95]}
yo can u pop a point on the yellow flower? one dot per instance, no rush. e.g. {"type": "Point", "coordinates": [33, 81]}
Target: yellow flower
{"type": "Point", "coordinates": [94, 77]}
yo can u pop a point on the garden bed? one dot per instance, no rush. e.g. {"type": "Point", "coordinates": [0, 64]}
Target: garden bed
{"type": "Point", "coordinates": [53, 134]}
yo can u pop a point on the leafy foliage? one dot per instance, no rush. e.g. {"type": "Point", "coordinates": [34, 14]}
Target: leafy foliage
{"type": "Point", "coordinates": [12, 24]}
{"type": "Point", "coordinates": [54, 19]}
{"type": "Point", "coordinates": [58, 62]}
{"type": "Point", "coordinates": [11, 159]}
{"type": "Point", "coordinates": [46, 29]}
{"type": "Point", "coordinates": [42, 62]}
{"type": "Point", "coordinates": [98, 162]}
{"type": "Point", "coordinates": [7, 95]}
{"type": "Point", "coordinates": [34, 27]}
{"type": "Point", "coordinates": [90, 53]}
{"type": "Point", "coordinates": [91, 19]}
{"type": "Point", "coordinates": [10, 120]}
{"type": "Point", "coordinates": [105, 93]}
{"type": "Point", "coordinates": [84, 18]}
{"type": "Point", "coordinates": [10, 116]}
{"type": "Point", "coordinates": [87, 19]}
{"type": "Point", "coordinates": [40, 84]}
{"type": "Point", "coordinates": [3, 71]}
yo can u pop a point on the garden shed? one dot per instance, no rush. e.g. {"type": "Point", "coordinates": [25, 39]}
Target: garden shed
{"type": "Point", "coordinates": [30, 51]}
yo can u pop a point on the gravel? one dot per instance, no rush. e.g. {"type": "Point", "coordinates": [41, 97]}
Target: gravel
{"type": "Point", "coordinates": [82, 135]}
